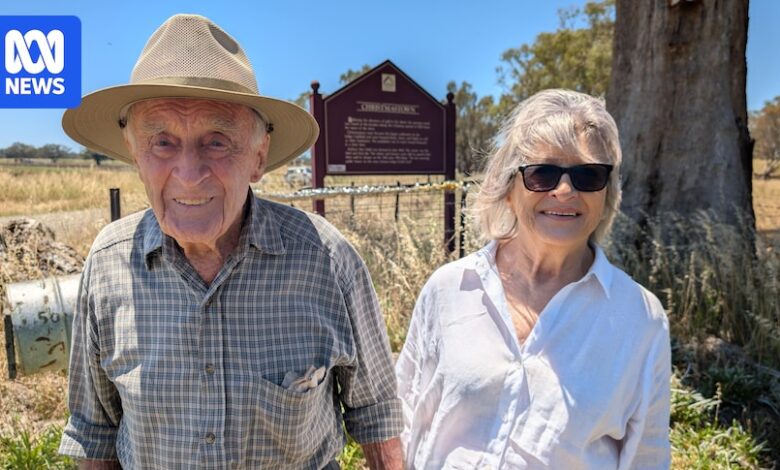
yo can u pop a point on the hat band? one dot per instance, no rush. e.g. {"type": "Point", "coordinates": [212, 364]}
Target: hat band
{"type": "Point", "coordinates": [204, 82]}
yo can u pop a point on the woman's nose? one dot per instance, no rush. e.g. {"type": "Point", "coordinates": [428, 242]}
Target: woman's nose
{"type": "Point", "coordinates": [565, 188]}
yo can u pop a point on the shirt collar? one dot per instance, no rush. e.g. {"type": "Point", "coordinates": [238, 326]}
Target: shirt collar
{"type": "Point", "coordinates": [260, 230]}
{"type": "Point", "coordinates": [601, 268]}
{"type": "Point", "coordinates": [152, 239]}
{"type": "Point", "coordinates": [263, 230]}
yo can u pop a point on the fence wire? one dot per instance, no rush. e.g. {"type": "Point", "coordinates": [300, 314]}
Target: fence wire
{"type": "Point", "coordinates": [419, 206]}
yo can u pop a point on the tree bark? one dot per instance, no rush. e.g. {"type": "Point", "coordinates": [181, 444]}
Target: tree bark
{"type": "Point", "coordinates": [677, 92]}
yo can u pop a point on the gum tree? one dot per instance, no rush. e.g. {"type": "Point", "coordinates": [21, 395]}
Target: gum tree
{"type": "Point", "coordinates": [677, 92]}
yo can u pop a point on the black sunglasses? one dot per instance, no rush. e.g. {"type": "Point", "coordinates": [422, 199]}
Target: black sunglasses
{"type": "Point", "coordinates": [587, 178]}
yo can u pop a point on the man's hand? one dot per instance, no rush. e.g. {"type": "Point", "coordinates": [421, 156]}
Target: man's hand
{"type": "Point", "coordinates": [387, 455]}
{"type": "Point", "coordinates": [99, 465]}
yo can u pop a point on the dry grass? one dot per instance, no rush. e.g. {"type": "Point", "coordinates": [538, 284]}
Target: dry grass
{"type": "Point", "coordinates": [719, 290]}
{"type": "Point", "coordinates": [48, 192]}
{"type": "Point", "coordinates": [41, 190]}
{"type": "Point", "coordinates": [766, 203]}
{"type": "Point", "coordinates": [46, 189]}
{"type": "Point", "coordinates": [400, 261]}
{"type": "Point", "coordinates": [709, 278]}
{"type": "Point", "coordinates": [768, 208]}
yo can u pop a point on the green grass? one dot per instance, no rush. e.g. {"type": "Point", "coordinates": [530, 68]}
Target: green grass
{"type": "Point", "coordinates": [700, 442]}
{"type": "Point", "coordinates": [26, 451]}
{"type": "Point", "coordinates": [351, 457]}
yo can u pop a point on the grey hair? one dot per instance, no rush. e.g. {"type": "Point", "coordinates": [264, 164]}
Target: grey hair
{"type": "Point", "coordinates": [562, 119]}
{"type": "Point", "coordinates": [262, 127]}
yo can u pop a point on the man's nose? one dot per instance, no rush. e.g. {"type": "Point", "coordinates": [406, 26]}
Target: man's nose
{"type": "Point", "coordinates": [191, 167]}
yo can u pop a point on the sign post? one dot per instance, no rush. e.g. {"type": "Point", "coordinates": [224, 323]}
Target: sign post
{"type": "Point", "coordinates": [318, 151]}
{"type": "Point", "coordinates": [449, 174]}
{"type": "Point", "coordinates": [383, 122]}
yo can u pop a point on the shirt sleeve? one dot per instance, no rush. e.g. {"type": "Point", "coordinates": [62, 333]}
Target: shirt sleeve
{"type": "Point", "coordinates": [372, 412]}
{"type": "Point", "coordinates": [93, 400]}
{"type": "Point", "coordinates": [646, 444]}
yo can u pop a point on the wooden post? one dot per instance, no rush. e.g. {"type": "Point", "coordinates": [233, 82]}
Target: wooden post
{"type": "Point", "coordinates": [116, 207]}
{"type": "Point", "coordinates": [10, 350]}
{"type": "Point", "coordinates": [317, 110]}
{"type": "Point", "coordinates": [397, 200]}
{"type": "Point", "coordinates": [449, 173]}
{"type": "Point", "coordinates": [352, 198]}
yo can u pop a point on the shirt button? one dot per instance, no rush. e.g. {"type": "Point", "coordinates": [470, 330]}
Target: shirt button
{"type": "Point", "coordinates": [210, 438]}
{"type": "Point", "coordinates": [209, 369]}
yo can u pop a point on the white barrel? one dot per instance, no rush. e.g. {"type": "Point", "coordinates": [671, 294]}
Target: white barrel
{"type": "Point", "coordinates": [40, 319]}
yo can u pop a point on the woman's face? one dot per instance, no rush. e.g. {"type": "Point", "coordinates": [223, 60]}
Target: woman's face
{"type": "Point", "coordinates": [563, 217]}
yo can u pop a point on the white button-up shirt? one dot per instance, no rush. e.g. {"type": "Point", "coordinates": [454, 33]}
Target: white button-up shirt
{"type": "Point", "coordinates": [588, 389]}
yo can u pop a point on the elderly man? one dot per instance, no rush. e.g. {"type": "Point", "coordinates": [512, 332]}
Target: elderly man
{"type": "Point", "coordinates": [218, 330]}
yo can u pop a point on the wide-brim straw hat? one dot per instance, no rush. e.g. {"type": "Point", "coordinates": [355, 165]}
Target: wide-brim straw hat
{"type": "Point", "coordinates": [189, 57]}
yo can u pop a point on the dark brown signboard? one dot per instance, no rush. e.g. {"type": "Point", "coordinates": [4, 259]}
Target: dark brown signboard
{"type": "Point", "coordinates": [384, 123]}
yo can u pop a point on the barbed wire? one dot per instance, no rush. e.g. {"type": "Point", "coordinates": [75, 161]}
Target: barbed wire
{"type": "Point", "coordinates": [365, 190]}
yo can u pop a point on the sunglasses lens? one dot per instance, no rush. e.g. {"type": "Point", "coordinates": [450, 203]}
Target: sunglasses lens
{"type": "Point", "coordinates": [589, 177]}
{"type": "Point", "coordinates": [541, 177]}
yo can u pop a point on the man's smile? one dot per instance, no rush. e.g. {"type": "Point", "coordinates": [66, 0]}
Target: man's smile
{"type": "Point", "coordinates": [192, 201]}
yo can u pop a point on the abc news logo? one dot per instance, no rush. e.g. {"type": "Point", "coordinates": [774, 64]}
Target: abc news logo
{"type": "Point", "coordinates": [42, 61]}
{"type": "Point", "coordinates": [18, 57]}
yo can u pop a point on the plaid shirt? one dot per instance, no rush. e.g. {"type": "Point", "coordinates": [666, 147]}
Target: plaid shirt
{"type": "Point", "coordinates": [169, 372]}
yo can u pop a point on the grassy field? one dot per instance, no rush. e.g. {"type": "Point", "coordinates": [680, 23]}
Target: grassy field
{"type": "Point", "coordinates": [722, 300]}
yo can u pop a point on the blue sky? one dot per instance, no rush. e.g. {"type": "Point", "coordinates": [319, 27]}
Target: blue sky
{"type": "Point", "coordinates": [291, 43]}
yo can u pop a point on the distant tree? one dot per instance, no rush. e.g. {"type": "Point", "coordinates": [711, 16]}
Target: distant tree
{"type": "Point", "coordinates": [475, 127]}
{"type": "Point", "coordinates": [20, 151]}
{"type": "Point", "coordinates": [53, 152]}
{"type": "Point", "coordinates": [88, 154]}
{"type": "Point", "coordinates": [765, 128]}
{"type": "Point", "coordinates": [350, 74]}
{"type": "Point", "coordinates": [577, 56]}
{"type": "Point", "coordinates": [303, 99]}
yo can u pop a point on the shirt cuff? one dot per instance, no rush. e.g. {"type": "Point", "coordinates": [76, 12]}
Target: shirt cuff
{"type": "Point", "coordinates": [375, 423]}
{"type": "Point", "coordinates": [85, 441]}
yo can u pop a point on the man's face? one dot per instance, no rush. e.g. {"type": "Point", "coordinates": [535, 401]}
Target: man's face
{"type": "Point", "coordinates": [196, 159]}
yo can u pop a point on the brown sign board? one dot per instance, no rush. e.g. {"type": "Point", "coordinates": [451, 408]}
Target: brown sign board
{"type": "Point", "coordinates": [384, 123]}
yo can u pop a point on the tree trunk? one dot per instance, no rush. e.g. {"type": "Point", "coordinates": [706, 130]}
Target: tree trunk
{"type": "Point", "coordinates": [677, 93]}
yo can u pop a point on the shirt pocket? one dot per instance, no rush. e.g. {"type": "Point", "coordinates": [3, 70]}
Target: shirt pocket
{"type": "Point", "coordinates": [462, 458]}
{"type": "Point", "coordinates": [294, 427]}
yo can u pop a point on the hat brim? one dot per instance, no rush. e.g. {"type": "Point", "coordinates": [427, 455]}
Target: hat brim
{"type": "Point", "coordinates": [95, 122]}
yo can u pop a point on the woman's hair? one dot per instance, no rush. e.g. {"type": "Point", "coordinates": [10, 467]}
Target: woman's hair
{"type": "Point", "coordinates": [563, 119]}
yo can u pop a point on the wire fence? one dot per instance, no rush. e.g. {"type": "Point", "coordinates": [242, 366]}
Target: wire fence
{"type": "Point", "coordinates": [420, 206]}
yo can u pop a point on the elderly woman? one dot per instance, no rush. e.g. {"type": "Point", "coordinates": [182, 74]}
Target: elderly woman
{"type": "Point", "coordinates": [535, 352]}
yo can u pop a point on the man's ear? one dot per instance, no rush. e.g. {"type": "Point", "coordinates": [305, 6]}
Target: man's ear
{"type": "Point", "coordinates": [262, 158]}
